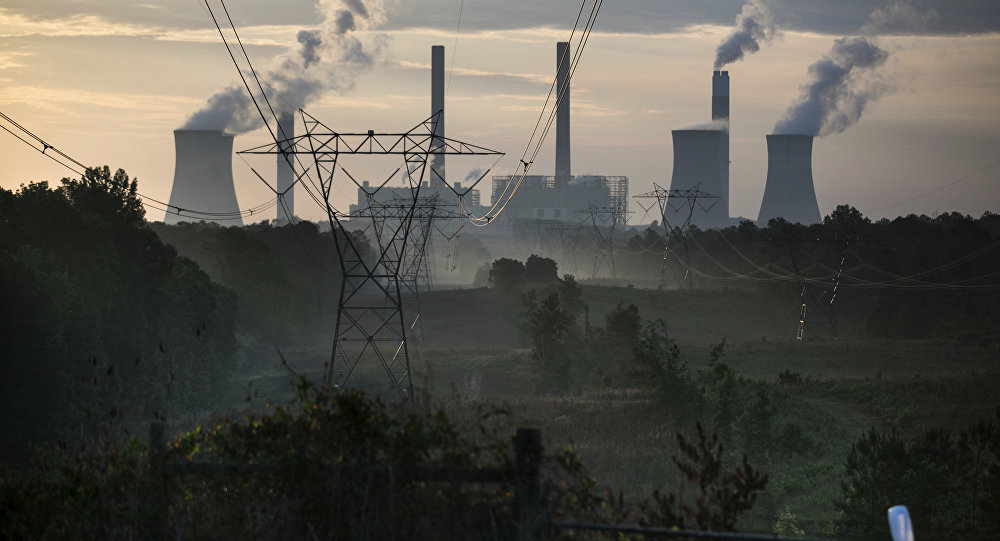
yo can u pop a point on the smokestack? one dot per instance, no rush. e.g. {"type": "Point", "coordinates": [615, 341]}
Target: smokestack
{"type": "Point", "coordinates": [563, 58]}
{"type": "Point", "coordinates": [696, 165]}
{"type": "Point", "coordinates": [437, 105]}
{"type": "Point", "coordinates": [789, 192]}
{"type": "Point", "coordinates": [720, 113]}
{"type": "Point", "coordinates": [286, 170]}
{"type": "Point", "coordinates": [203, 176]}
{"type": "Point", "coordinates": [720, 95]}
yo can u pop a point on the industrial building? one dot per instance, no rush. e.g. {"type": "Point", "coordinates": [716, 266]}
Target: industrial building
{"type": "Point", "coordinates": [561, 197]}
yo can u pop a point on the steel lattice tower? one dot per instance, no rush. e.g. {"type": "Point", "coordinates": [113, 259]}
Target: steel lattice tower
{"type": "Point", "coordinates": [677, 234]}
{"type": "Point", "coordinates": [817, 299]}
{"type": "Point", "coordinates": [370, 312]}
{"type": "Point", "coordinates": [604, 221]}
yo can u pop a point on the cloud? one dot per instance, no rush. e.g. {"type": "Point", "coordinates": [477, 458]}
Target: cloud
{"type": "Point", "coordinates": [537, 78]}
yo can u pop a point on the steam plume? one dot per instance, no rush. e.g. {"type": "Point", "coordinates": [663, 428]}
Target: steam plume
{"type": "Point", "coordinates": [754, 25]}
{"type": "Point", "coordinates": [842, 86]}
{"type": "Point", "coordinates": [847, 79]}
{"type": "Point", "coordinates": [298, 77]}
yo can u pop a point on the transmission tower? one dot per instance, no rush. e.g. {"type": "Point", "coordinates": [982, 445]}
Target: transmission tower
{"type": "Point", "coordinates": [370, 312]}
{"type": "Point", "coordinates": [817, 298]}
{"type": "Point", "coordinates": [604, 220]}
{"type": "Point", "coordinates": [675, 235]}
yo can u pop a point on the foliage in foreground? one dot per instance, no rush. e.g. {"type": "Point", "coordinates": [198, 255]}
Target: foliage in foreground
{"type": "Point", "coordinates": [99, 315]}
{"type": "Point", "coordinates": [949, 482]}
{"type": "Point", "coordinates": [333, 466]}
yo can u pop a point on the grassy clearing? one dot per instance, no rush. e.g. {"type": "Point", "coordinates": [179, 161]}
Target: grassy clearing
{"type": "Point", "coordinates": [471, 356]}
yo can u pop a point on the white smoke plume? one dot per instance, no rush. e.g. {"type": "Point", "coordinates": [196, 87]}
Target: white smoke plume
{"type": "Point", "coordinates": [473, 175]}
{"type": "Point", "coordinates": [754, 25]}
{"type": "Point", "coordinates": [849, 78]}
{"type": "Point", "coordinates": [328, 58]}
{"type": "Point", "coordinates": [843, 83]}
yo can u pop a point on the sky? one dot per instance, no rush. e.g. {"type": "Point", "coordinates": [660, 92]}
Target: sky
{"type": "Point", "coordinates": [107, 82]}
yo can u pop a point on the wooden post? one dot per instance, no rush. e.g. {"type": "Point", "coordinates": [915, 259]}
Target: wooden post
{"type": "Point", "coordinates": [527, 493]}
{"type": "Point", "coordinates": [157, 481]}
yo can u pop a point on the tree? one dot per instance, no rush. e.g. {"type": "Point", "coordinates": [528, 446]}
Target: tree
{"type": "Point", "coordinates": [622, 326]}
{"type": "Point", "coordinates": [846, 216]}
{"type": "Point", "coordinates": [98, 192]}
{"type": "Point", "coordinates": [721, 497]}
{"type": "Point", "coordinates": [875, 470]}
{"type": "Point", "coordinates": [548, 324]}
{"type": "Point", "coordinates": [506, 274]}
{"type": "Point", "coordinates": [540, 270]}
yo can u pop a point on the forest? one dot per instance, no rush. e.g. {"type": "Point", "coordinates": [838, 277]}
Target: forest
{"type": "Point", "coordinates": [688, 406]}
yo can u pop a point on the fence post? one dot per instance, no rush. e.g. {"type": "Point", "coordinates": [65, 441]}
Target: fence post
{"type": "Point", "coordinates": [157, 481]}
{"type": "Point", "coordinates": [527, 493]}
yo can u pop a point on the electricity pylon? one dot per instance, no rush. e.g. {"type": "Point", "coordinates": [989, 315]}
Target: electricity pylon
{"type": "Point", "coordinates": [370, 312]}
{"type": "Point", "coordinates": [676, 235]}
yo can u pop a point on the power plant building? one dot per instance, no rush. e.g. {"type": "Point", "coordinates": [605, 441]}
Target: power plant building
{"type": "Point", "coordinates": [203, 178]}
{"type": "Point", "coordinates": [789, 192]}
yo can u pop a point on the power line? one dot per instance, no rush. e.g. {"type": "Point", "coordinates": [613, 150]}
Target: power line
{"type": "Point", "coordinates": [936, 190]}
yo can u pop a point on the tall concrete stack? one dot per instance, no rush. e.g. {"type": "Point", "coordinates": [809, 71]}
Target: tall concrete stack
{"type": "Point", "coordinates": [789, 192]}
{"type": "Point", "coordinates": [203, 177]}
{"type": "Point", "coordinates": [286, 170]}
{"type": "Point", "coordinates": [437, 175]}
{"type": "Point", "coordinates": [720, 113]}
{"type": "Point", "coordinates": [563, 59]}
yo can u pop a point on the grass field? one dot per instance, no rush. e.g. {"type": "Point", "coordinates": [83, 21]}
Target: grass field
{"type": "Point", "coordinates": [469, 354]}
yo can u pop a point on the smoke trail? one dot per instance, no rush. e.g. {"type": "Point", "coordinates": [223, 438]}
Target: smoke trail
{"type": "Point", "coordinates": [842, 86]}
{"type": "Point", "coordinates": [473, 175]}
{"type": "Point", "coordinates": [754, 25]}
{"type": "Point", "coordinates": [848, 79]}
{"type": "Point", "coordinates": [298, 77]}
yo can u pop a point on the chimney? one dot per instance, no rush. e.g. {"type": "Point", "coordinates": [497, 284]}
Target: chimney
{"type": "Point", "coordinates": [720, 95]}
{"type": "Point", "coordinates": [789, 192]}
{"type": "Point", "coordinates": [437, 105]}
{"type": "Point", "coordinates": [286, 169]}
{"type": "Point", "coordinates": [563, 59]}
{"type": "Point", "coordinates": [720, 112]}
{"type": "Point", "coordinates": [203, 177]}
{"type": "Point", "coordinates": [696, 165]}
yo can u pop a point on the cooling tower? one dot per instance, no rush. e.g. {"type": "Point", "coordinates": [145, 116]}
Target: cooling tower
{"type": "Point", "coordinates": [286, 170]}
{"type": "Point", "coordinates": [720, 112]}
{"type": "Point", "coordinates": [563, 58]}
{"type": "Point", "coordinates": [696, 165]}
{"type": "Point", "coordinates": [789, 192]}
{"type": "Point", "coordinates": [203, 178]}
{"type": "Point", "coordinates": [437, 105]}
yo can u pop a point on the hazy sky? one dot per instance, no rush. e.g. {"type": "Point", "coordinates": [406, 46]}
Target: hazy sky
{"type": "Point", "coordinates": [107, 81]}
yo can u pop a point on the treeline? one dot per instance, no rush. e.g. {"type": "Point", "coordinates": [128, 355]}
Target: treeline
{"type": "Point", "coordinates": [286, 278]}
{"type": "Point", "coordinates": [100, 318]}
{"type": "Point", "coordinates": [911, 277]}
